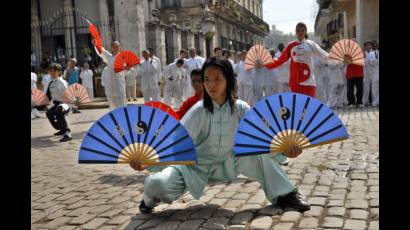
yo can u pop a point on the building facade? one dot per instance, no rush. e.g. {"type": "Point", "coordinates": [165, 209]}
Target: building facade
{"type": "Point", "coordinates": [339, 19]}
{"type": "Point", "coordinates": [60, 30]}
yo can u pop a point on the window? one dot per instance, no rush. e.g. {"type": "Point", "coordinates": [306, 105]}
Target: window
{"type": "Point", "coordinates": [170, 3]}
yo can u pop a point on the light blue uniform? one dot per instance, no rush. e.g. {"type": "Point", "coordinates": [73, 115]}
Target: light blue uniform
{"type": "Point", "coordinates": [213, 135]}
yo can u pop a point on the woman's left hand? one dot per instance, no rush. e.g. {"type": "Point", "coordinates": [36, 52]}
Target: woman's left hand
{"type": "Point", "coordinates": [293, 151]}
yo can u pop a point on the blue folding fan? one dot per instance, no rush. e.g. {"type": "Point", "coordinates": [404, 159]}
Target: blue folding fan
{"type": "Point", "coordinates": [137, 131]}
{"type": "Point", "coordinates": [281, 120]}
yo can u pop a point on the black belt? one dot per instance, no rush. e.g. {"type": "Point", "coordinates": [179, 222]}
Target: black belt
{"type": "Point", "coordinates": [57, 102]}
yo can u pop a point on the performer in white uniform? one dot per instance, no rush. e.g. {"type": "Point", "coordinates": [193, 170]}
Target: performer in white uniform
{"type": "Point", "coordinates": [114, 83]}
{"type": "Point", "coordinates": [155, 58]}
{"type": "Point", "coordinates": [371, 75]}
{"type": "Point", "coordinates": [148, 70]}
{"type": "Point", "coordinates": [282, 73]}
{"type": "Point", "coordinates": [336, 84]}
{"type": "Point", "coordinates": [193, 62]}
{"type": "Point", "coordinates": [172, 77]}
{"type": "Point", "coordinates": [34, 111]}
{"type": "Point", "coordinates": [46, 80]}
{"type": "Point", "coordinates": [86, 76]}
{"type": "Point", "coordinates": [131, 83]}
{"type": "Point", "coordinates": [245, 89]}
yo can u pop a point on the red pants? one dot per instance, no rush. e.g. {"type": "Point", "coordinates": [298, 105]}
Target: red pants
{"type": "Point", "coordinates": [304, 89]}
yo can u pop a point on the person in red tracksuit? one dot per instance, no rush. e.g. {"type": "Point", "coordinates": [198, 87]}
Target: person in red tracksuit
{"type": "Point", "coordinates": [301, 52]}
{"type": "Point", "coordinates": [198, 86]}
{"type": "Point", "coordinates": [354, 76]}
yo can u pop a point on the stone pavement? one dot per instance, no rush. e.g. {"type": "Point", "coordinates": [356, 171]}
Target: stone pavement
{"type": "Point", "coordinates": [340, 180]}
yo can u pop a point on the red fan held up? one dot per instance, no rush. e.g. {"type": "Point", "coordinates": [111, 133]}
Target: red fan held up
{"type": "Point", "coordinates": [164, 107]}
{"type": "Point", "coordinates": [125, 60]}
{"type": "Point", "coordinates": [96, 36]}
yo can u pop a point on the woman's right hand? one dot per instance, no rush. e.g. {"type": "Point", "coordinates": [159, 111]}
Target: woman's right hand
{"type": "Point", "coordinates": [136, 165]}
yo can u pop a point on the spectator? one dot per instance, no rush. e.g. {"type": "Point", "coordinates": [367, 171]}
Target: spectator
{"type": "Point", "coordinates": [86, 77]}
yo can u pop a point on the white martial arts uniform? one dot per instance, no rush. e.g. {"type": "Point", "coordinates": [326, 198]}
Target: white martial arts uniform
{"type": "Point", "coordinates": [245, 89]}
{"type": "Point", "coordinates": [282, 79]}
{"type": "Point", "coordinates": [191, 64]}
{"type": "Point", "coordinates": [114, 83]}
{"type": "Point", "coordinates": [336, 84]}
{"type": "Point", "coordinates": [45, 81]}
{"type": "Point", "coordinates": [34, 112]}
{"type": "Point", "coordinates": [131, 83]}
{"type": "Point", "coordinates": [159, 73]}
{"type": "Point", "coordinates": [87, 81]}
{"type": "Point", "coordinates": [172, 75]}
{"type": "Point", "coordinates": [371, 78]}
{"type": "Point", "coordinates": [258, 82]}
{"type": "Point", "coordinates": [270, 81]}
{"type": "Point", "coordinates": [148, 70]}
{"type": "Point", "coordinates": [323, 71]}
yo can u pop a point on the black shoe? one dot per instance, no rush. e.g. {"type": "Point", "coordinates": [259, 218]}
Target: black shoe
{"type": "Point", "coordinates": [66, 138]}
{"type": "Point", "coordinates": [145, 209]}
{"type": "Point", "coordinates": [295, 201]}
{"type": "Point", "coordinates": [76, 111]}
{"type": "Point", "coordinates": [59, 133]}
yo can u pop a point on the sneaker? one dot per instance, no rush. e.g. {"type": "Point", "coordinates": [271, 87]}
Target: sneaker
{"type": "Point", "coordinates": [145, 209]}
{"type": "Point", "coordinates": [351, 106]}
{"type": "Point", "coordinates": [361, 106]}
{"type": "Point", "coordinates": [66, 138]}
{"type": "Point", "coordinates": [76, 111]}
{"type": "Point", "coordinates": [295, 201]}
{"type": "Point", "coordinates": [59, 133]}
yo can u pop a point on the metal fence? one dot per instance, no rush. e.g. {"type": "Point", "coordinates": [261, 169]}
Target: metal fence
{"type": "Point", "coordinates": [66, 35]}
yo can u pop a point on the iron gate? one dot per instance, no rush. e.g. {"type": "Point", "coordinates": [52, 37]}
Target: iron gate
{"type": "Point", "coordinates": [66, 35]}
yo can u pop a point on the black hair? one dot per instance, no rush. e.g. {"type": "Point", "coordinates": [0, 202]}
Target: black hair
{"type": "Point", "coordinates": [151, 50]}
{"type": "Point", "coordinates": [182, 51]}
{"type": "Point", "coordinates": [231, 85]}
{"type": "Point", "coordinates": [281, 47]}
{"type": "Point", "coordinates": [195, 72]}
{"type": "Point", "coordinates": [55, 66]}
{"type": "Point", "coordinates": [217, 48]}
{"type": "Point", "coordinates": [180, 61]}
{"type": "Point", "coordinates": [225, 51]}
{"type": "Point", "coordinates": [301, 24]}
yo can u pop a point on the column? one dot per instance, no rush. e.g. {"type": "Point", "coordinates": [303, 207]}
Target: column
{"type": "Point", "coordinates": [69, 33]}
{"type": "Point", "coordinates": [359, 21]}
{"type": "Point", "coordinates": [190, 39]}
{"type": "Point", "coordinates": [104, 28]}
{"type": "Point", "coordinates": [345, 25]}
{"type": "Point", "coordinates": [36, 33]}
{"type": "Point", "coordinates": [202, 45]}
{"type": "Point", "coordinates": [176, 34]}
{"type": "Point", "coordinates": [157, 40]}
{"type": "Point", "coordinates": [130, 15]}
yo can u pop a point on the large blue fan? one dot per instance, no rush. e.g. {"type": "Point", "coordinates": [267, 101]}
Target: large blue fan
{"type": "Point", "coordinates": [281, 120]}
{"type": "Point", "coordinates": [143, 132]}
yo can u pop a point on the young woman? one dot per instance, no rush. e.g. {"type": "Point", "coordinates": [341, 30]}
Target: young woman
{"type": "Point", "coordinates": [301, 51]}
{"type": "Point", "coordinates": [212, 123]}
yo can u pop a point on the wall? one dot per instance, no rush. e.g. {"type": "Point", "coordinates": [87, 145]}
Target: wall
{"type": "Point", "coordinates": [49, 7]}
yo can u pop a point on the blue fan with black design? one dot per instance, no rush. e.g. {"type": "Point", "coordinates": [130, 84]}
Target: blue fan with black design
{"type": "Point", "coordinates": [282, 120]}
{"type": "Point", "coordinates": [137, 132]}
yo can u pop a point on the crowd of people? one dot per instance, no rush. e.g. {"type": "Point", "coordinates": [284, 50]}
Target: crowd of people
{"type": "Point", "coordinates": [205, 94]}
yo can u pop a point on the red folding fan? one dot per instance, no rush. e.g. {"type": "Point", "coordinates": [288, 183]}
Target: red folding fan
{"type": "Point", "coordinates": [164, 107]}
{"type": "Point", "coordinates": [348, 48]}
{"type": "Point", "coordinates": [257, 54]}
{"type": "Point", "coordinates": [38, 98]}
{"type": "Point", "coordinates": [96, 36]}
{"type": "Point", "coordinates": [76, 94]}
{"type": "Point", "coordinates": [125, 60]}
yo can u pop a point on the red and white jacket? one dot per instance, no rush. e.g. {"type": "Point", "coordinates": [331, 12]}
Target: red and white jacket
{"type": "Point", "coordinates": [301, 55]}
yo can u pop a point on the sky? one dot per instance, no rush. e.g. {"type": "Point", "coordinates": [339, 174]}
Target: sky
{"type": "Point", "coordinates": [285, 14]}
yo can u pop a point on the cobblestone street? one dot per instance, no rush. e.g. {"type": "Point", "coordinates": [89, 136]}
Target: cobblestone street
{"type": "Point", "coordinates": [340, 181]}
